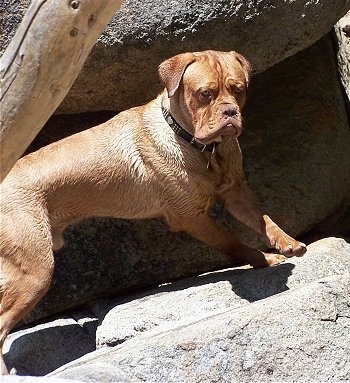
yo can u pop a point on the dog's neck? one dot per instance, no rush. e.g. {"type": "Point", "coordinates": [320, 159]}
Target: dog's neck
{"type": "Point", "coordinates": [172, 105]}
{"type": "Point", "coordinates": [178, 127]}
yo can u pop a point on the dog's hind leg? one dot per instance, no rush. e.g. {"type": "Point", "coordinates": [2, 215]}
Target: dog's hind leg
{"type": "Point", "coordinates": [25, 278]}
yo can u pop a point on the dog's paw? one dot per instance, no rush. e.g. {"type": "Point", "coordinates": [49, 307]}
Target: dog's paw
{"type": "Point", "coordinates": [274, 259]}
{"type": "Point", "coordinates": [259, 259]}
{"type": "Point", "coordinates": [288, 246]}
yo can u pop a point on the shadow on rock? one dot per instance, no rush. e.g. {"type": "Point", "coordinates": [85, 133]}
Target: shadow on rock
{"type": "Point", "coordinates": [249, 284]}
{"type": "Point", "coordinates": [188, 300]}
{"type": "Point", "coordinates": [254, 284]}
{"type": "Point", "coordinates": [43, 348]}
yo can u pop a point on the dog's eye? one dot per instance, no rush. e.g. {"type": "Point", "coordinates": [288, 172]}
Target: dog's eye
{"type": "Point", "coordinates": [204, 94]}
{"type": "Point", "coordinates": [237, 89]}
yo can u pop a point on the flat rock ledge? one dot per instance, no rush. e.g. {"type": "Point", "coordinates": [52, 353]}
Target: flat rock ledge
{"type": "Point", "coordinates": [289, 323]}
{"type": "Point", "coordinates": [289, 337]}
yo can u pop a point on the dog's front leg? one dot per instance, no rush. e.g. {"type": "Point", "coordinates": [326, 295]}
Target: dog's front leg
{"type": "Point", "coordinates": [202, 227]}
{"type": "Point", "coordinates": [243, 204]}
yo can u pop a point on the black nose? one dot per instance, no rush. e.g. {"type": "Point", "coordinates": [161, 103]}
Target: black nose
{"type": "Point", "coordinates": [230, 111]}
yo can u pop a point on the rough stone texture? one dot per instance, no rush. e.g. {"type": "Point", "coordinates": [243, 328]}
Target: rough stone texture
{"type": "Point", "coordinates": [289, 337]}
{"type": "Point", "coordinates": [165, 309]}
{"type": "Point", "coordinates": [297, 139]}
{"type": "Point", "coordinates": [190, 300]}
{"type": "Point", "coordinates": [111, 257]}
{"type": "Point", "coordinates": [42, 348]}
{"type": "Point", "coordinates": [121, 70]}
{"type": "Point", "coordinates": [11, 14]}
{"type": "Point", "coordinates": [35, 379]}
{"type": "Point", "coordinates": [302, 178]}
{"type": "Point", "coordinates": [296, 110]}
{"type": "Point", "coordinates": [342, 30]}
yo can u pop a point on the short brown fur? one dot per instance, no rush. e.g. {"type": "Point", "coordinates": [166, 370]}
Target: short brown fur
{"type": "Point", "coordinates": [135, 166]}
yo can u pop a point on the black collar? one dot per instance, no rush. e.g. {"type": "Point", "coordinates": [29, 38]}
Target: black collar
{"type": "Point", "coordinates": [185, 134]}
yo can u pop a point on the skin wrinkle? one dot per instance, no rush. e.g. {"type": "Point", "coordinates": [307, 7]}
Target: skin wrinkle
{"type": "Point", "coordinates": [134, 166]}
{"type": "Point", "coordinates": [204, 118]}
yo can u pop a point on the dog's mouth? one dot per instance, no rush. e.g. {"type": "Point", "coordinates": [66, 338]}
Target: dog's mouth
{"type": "Point", "coordinates": [229, 127]}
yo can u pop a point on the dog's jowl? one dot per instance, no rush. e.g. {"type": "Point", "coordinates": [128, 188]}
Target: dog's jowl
{"type": "Point", "coordinates": [170, 158]}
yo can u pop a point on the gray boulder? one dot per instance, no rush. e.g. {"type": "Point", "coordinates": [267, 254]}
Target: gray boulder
{"type": "Point", "coordinates": [168, 309]}
{"type": "Point", "coordinates": [187, 301]}
{"type": "Point", "coordinates": [121, 70]}
{"type": "Point", "coordinates": [296, 110]}
{"type": "Point", "coordinates": [290, 336]}
{"type": "Point", "coordinates": [36, 379]}
{"type": "Point", "coordinates": [297, 139]}
{"type": "Point", "coordinates": [41, 348]}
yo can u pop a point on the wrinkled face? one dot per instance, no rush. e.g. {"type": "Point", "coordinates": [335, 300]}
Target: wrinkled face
{"type": "Point", "coordinates": [214, 93]}
{"type": "Point", "coordinates": [207, 91]}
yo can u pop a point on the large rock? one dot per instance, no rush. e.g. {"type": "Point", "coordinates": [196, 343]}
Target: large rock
{"type": "Point", "coordinates": [187, 301]}
{"type": "Point", "coordinates": [297, 139]}
{"type": "Point", "coordinates": [121, 70]}
{"type": "Point", "coordinates": [167, 309]}
{"type": "Point", "coordinates": [342, 30]}
{"type": "Point", "coordinates": [290, 336]}
{"type": "Point", "coordinates": [44, 347]}
{"type": "Point", "coordinates": [36, 379]}
{"type": "Point", "coordinates": [296, 149]}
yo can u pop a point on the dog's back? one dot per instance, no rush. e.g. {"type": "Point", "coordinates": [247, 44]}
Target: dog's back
{"type": "Point", "coordinates": [138, 165]}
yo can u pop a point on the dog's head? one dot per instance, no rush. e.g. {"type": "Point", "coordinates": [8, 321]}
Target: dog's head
{"type": "Point", "coordinates": [207, 92]}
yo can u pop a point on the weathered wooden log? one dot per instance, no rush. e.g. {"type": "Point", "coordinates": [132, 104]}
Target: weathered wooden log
{"type": "Point", "coordinates": [40, 65]}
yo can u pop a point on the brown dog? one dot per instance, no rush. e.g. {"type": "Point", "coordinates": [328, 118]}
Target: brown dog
{"type": "Point", "coordinates": [170, 158]}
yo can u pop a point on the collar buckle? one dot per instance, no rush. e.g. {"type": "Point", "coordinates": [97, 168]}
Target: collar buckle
{"type": "Point", "coordinates": [198, 144]}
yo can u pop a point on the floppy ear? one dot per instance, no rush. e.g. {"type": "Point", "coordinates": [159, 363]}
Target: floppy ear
{"type": "Point", "coordinates": [171, 71]}
{"type": "Point", "coordinates": [247, 68]}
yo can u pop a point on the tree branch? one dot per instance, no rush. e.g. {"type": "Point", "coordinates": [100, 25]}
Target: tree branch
{"type": "Point", "coordinates": [40, 65]}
